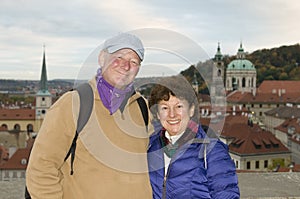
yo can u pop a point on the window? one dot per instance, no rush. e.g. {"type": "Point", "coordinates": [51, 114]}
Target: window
{"type": "Point", "coordinates": [6, 174]}
{"type": "Point", "coordinates": [257, 164]}
{"type": "Point", "coordinates": [17, 127]}
{"type": "Point", "coordinates": [23, 174]}
{"type": "Point", "coordinates": [243, 82]}
{"type": "Point", "coordinates": [266, 164]}
{"type": "Point", "coordinates": [23, 161]}
{"type": "Point", "coordinates": [236, 164]}
{"type": "Point", "coordinates": [248, 165]}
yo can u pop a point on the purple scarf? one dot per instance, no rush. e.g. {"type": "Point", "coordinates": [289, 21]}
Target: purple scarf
{"type": "Point", "coordinates": [111, 97]}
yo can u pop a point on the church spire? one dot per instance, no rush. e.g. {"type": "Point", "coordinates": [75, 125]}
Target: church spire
{"type": "Point", "coordinates": [43, 98]}
{"type": "Point", "coordinates": [218, 55]}
{"type": "Point", "coordinates": [43, 80]}
{"type": "Point", "coordinates": [241, 53]}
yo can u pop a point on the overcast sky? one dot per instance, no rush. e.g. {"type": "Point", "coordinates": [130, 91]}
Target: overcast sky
{"type": "Point", "coordinates": [175, 33]}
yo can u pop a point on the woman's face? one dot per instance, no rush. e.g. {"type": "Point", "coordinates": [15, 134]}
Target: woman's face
{"type": "Point", "coordinates": [174, 114]}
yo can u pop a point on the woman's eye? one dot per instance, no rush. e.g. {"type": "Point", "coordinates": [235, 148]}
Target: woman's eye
{"type": "Point", "coordinates": [179, 106]}
{"type": "Point", "coordinates": [164, 108]}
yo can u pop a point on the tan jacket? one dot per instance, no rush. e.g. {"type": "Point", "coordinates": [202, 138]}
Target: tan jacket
{"type": "Point", "coordinates": [110, 158]}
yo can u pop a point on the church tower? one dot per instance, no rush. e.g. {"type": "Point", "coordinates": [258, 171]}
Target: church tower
{"type": "Point", "coordinates": [217, 85]}
{"type": "Point", "coordinates": [43, 97]}
{"type": "Point", "coordinates": [219, 62]}
{"type": "Point", "coordinates": [195, 84]}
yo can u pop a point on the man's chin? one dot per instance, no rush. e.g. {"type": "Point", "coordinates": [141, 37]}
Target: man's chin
{"type": "Point", "coordinates": [122, 85]}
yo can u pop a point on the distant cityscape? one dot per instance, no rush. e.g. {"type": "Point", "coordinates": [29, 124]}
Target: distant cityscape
{"type": "Point", "coordinates": [259, 123]}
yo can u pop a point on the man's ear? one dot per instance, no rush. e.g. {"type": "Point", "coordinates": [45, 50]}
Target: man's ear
{"type": "Point", "coordinates": [101, 58]}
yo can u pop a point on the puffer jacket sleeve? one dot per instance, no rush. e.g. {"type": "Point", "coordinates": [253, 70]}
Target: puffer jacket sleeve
{"type": "Point", "coordinates": [43, 177]}
{"type": "Point", "coordinates": [221, 172]}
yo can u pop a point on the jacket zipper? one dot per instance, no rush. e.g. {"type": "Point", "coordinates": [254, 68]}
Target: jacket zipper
{"type": "Point", "coordinates": [165, 182]}
{"type": "Point", "coordinates": [164, 188]}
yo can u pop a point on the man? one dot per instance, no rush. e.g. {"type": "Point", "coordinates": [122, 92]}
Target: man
{"type": "Point", "coordinates": [110, 157]}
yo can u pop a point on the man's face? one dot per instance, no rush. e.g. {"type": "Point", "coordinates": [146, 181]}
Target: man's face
{"type": "Point", "coordinates": [120, 68]}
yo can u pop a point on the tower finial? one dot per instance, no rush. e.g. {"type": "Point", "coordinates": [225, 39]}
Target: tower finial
{"type": "Point", "coordinates": [218, 55]}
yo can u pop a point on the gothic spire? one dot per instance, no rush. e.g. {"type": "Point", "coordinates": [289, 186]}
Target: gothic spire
{"type": "Point", "coordinates": [43, 80]}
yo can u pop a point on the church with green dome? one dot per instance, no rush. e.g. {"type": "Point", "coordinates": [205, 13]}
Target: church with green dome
{"type": "Point", "coordinates": [241, 74]}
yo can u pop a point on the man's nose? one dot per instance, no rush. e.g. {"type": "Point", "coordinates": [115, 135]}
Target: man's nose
{"type": "Point", "coordinates": [125, 64]}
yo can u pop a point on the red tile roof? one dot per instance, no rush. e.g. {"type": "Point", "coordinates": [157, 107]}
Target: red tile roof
{"type": "Point", "coordinates": [248, 140]}
{"type": "Point", "coordinates": [295, 122]}
{"type": "Point", "coordinates": [3, 155]}
{"type": "Point", "coordinates": [284, 127]}
{"type": "Point", "coordinates": [17, 114]}
{"type": "Point", "coordinates": [269, 86]}
{"type": "Point", "coordinates": [252, 140]}
{"type": "Point", "coordinates": [19, 159]}
{"type": "Point", "coordinates": [284, 112]}
{"type": "Point", "coordinates": [238, 96]}
{"type": "Point", "coordinates": [15, 162]}
{"type": "Point", "coordinates": [270, 92]}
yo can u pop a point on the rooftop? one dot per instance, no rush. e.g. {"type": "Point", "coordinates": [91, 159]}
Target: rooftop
{"type": "Point", "coordinates": [17, 114]}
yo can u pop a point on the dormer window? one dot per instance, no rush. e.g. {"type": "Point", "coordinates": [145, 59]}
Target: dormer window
{"type": "Point", "coordinates": [23, 161]}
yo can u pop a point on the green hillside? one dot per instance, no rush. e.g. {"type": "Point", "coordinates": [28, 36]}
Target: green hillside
{"type": "Point", "coordinates": [282, 63]}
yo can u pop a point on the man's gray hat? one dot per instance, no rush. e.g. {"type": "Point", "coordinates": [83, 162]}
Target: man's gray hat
{"type": "Point", "coordinates": [125, 40]}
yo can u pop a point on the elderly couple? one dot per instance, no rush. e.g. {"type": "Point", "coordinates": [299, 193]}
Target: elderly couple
{"type": "Point", "coordinates": [115, 158]}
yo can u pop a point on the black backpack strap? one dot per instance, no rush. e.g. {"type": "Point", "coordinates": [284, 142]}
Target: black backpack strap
{"type": "Point", "coordinates": [86, 98]}
{"type": "Point", "coordinates": [144, 110]}
{"type": "Point", "coordinates": [142, 104]}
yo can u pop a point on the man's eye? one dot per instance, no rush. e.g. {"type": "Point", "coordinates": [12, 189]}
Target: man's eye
{"type": "Point", "coordinates": [134, 62]}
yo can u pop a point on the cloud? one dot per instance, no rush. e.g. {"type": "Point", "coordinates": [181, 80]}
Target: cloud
{"type": "Point", "coordinates": [72, 29]}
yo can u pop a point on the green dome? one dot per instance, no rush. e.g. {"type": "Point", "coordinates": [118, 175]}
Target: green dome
{"type": "Point", "coordinates": [240, 64]}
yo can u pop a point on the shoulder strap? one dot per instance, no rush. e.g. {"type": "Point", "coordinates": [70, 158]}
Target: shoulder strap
{"type": "Point", "coordinates": [143, 107]}
{"type": "Point", "coordinates": [144, 110]}
{"type": "Point", "coordinates": [86, 98]}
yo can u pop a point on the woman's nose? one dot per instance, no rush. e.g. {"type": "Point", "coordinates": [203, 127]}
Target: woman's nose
{"type": "Point", "coordinates": [171, 112]}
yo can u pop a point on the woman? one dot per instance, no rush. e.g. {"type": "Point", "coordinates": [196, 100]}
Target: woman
{"type": "Point", "coordinates": [183, 161]}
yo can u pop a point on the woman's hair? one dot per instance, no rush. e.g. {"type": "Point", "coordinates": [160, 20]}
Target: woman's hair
{"type": "Point", "coordinates": [176, 86]}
